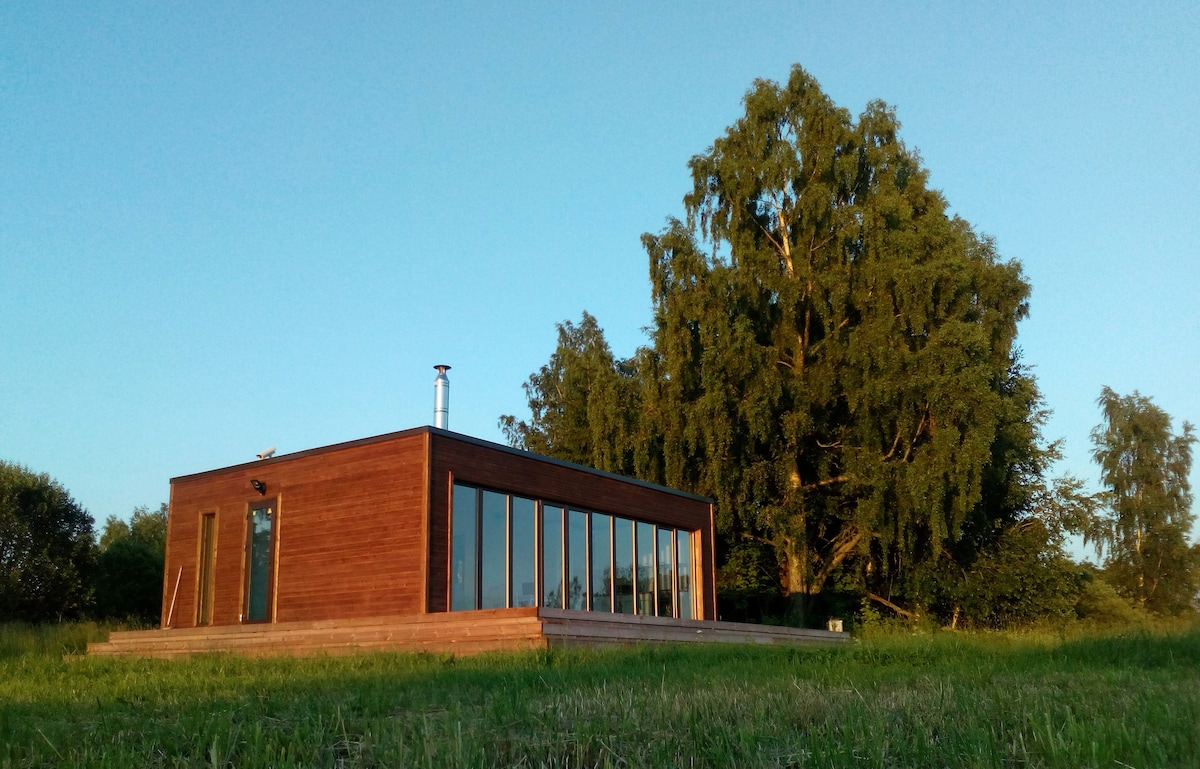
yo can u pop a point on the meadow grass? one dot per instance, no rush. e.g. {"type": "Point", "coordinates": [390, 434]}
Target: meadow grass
{"type": "Point", "coordinates": [940, 699]}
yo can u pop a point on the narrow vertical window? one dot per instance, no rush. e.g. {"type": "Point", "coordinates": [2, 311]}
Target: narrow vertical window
{"type": "Point", "coordinates": [645, 568]}
{"type": "Point", "coordinates": [463, 550]}
{"type": "Point", "coordinates": [666, 572]}
{"type": "Point", "coordinates": [601, 559]}
{"type": "Point", "coordinates": [576, 560]}
{"type": "Point", "coordinates": [260, 540]}
{"type": "Point", "coordinates": [683, 552]}
{"type": "Point", "coordinates": [552, 557]}
{"type": "Point", "coordinates": [623, 565]}
{"type": "Point", "coordinates": [493, 550]}
{"type": "Point", "coordinates": [208, 554]}
{"type": "Point", "coordinates": [524, 550]}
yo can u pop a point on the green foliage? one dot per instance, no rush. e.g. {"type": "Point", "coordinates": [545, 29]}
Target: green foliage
{"type": "Point", "coordinates": [943, 699]}
{"type": "Point", "coordinates": [579, 403]}
{"type": "Point", "coordinates": [832, 361]}
{"type": "Point", "coordinates": [129, 568]}
{"type": "Point", "coordinates": [1145, 525]}
{"type": "Point", "coordinates": [748, 584]}
{"type": "Point", "coordinates": [1021, 579]}
{"type": "Point", "coordinates": [45, 548]}
{"type": "Point", "coordinates": [831, 339]}
{"type": "Point", "coordinates": [1099, 604]}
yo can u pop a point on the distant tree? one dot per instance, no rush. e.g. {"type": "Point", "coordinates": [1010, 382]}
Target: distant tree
{"type": "Point", "coordinates": [580, 402]}
{"type": "Point", "coordinates": [1145, 524]}
{"type": "Point", "coordinates": [45, 548]}
{"type": "Point", "coordinates": [129, 567]}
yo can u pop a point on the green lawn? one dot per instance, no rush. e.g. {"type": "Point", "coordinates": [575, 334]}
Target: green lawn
{"type": "Point", "coordinates": [941, 699]}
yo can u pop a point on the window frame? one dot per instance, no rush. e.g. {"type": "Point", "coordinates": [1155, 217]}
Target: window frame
{"type": "Point", "coordinates": [272, 505]}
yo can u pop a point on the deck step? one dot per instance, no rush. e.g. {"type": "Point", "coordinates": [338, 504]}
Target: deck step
{"type": "Point", "coordinates": [457, 633]}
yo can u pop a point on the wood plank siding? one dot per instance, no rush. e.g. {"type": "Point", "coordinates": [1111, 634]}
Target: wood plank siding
{"type": "Point", "coordinates": [349, 537]}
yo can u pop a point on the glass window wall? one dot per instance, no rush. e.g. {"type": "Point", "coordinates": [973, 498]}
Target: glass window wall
{"type": "Point", "coordinates": [587, 560]}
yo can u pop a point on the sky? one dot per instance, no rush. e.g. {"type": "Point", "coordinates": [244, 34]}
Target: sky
{"type": "Point", "coordinates": [232, 225]}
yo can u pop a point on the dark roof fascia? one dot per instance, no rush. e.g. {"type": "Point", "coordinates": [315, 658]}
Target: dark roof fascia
{"type": "Point", "coordinates": [451, 436]}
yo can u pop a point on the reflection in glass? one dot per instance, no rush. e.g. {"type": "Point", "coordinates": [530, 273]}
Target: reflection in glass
{"type": "Point", "coordinates": [259, 577]}
{"type": "Point", "coordinates": [463, 552]}
{"type": "Point", "coordinates": [623, 565]}
{"type": "Point", "coordinates": [601, 562]}
{"type": "Point", "coordinates": [552, 556]}
{"type": "Point", "coordinates": [683, 552]}
{"type": "Point", "coordinates": [524, 547]}
{"type": "Point", "coordinates": [645, 568]}
{"type": "Point", "coordinates": [666, 572]}
{"type": "Point", "coordinates": [576, 560]}
{"type": "Point", "coordinates": [493, 568]}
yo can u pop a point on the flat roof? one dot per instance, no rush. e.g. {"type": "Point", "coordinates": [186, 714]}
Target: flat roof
{"type": "Point", "coordinates": [452, 436]}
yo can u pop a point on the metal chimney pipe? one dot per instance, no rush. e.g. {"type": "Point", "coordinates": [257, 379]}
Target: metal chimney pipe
{"type": "Point", "coordinates": [441, 398]}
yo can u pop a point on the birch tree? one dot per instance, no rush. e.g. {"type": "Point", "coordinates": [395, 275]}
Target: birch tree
{"type": "Point", "coordinates": [1144, 466]}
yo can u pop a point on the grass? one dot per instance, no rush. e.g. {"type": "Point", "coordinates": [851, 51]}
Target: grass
{"type": "Point", "coordinates": [941, 699]}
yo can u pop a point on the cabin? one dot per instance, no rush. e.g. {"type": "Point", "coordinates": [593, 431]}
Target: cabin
{"type": "Point", "coordinates": [429, 539]}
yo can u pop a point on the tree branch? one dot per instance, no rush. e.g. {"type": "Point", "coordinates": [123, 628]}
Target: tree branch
{"type": "Point", "coordinates": [902, 612]}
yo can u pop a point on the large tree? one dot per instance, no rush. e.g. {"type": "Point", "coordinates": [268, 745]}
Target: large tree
{"type": "Point", "coordinates": [1144, 528]}
{"type": "Point", "coordinates": [45, 548]}
{"type": "Point", "coordinates": [832, 352]}
{"type": "Point", "coordinates": [833, 342]}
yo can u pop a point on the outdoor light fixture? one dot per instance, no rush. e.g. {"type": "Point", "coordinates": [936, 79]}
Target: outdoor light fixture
{"type": "Point", "coordinates": [259, 486]}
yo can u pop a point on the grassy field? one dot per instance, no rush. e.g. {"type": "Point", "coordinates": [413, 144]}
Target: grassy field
{"type": "Point", "coordinates": [934, 700]}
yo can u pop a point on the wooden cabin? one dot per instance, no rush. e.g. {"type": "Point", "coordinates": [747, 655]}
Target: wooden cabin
{"type": "Point", "coordinates": [431, 539]}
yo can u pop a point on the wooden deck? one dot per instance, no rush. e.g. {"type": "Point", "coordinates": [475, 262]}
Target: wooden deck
{"type": "Point", "coordinates": [451, 632]}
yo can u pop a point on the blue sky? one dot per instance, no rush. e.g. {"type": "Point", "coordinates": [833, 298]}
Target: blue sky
{"type": "Point", "coordinates": [225, 226]}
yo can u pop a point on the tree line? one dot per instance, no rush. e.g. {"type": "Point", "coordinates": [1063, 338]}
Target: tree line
{"type": "Point", "coordinates": [833, 360]}
{"type": "Point", "coordinates": [52, 566]}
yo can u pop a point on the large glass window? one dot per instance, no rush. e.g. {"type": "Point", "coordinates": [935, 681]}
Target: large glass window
{"type": "Point", "coordinates": [601, 552]}
{"type": "Point", "coordinates": [645, 568]}
{"type": "Point", "coordinates": [577, 560]}
{"type": "Point", "coordinates": [463, 552]}
{"type": "Point", "coordinates": [666, 572]}
{"type": "Point", "coordinates": [260, 525]}
{"type": "Point", "coordinates": [623, 565]}
{"type": "Point", "coordinates": [683, 555]}
{"type": "Point", "coordinates": [509, 551]}
{"type": "Point", "coordinates": [493, 544]}
{"type": "Point", "coordinates": [552, 556]}
{"type": "Point", "coordinates": [524, 550]}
